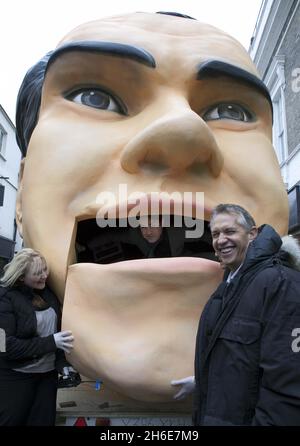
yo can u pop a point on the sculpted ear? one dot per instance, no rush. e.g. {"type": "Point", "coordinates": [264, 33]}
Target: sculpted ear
{"type": "Point", "coordinates": [19, 212]}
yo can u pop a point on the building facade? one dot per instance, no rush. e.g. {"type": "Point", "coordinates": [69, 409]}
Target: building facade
{"type": "Point", "coordinates": [10, 157]}
{"type": "Point", "coordinates": [275, 49]}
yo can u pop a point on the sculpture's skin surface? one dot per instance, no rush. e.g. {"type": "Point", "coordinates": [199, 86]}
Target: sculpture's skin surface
{"type": "Point", "coordinates": [159, 127]}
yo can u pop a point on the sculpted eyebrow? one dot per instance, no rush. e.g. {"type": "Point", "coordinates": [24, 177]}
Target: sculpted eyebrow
{"type": "Point", "coordinates": [217, 68]}
{"type": "Point", "coordinates": [113, 49]}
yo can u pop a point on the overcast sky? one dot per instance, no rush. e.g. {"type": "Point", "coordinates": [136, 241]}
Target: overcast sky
{"type": "Point", "coordinates": [31, 28]}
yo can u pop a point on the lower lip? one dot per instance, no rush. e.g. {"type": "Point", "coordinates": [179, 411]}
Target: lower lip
{"type": "Point", "coordinates": [159, 272]}
{"type": "Point", "coordinates": [172, 265]}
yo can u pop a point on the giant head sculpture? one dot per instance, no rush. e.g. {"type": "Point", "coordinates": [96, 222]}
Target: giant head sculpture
{"type": "Point", "coordinates": [159, 103]}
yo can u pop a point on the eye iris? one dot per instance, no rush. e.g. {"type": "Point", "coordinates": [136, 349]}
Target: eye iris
{"type": "Point", "coordinates": [231, 112]}
{"type": "Point", "coordinates": [95, 99]}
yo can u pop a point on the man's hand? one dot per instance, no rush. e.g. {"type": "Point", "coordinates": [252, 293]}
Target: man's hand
{"type": "Point", "coordinates": [187, 387]}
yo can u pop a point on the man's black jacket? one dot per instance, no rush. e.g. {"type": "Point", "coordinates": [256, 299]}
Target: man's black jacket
{"type": "Point", "coordinates": [247, 367]}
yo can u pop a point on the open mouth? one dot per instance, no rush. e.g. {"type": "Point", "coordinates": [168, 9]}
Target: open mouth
{"type": "Point", "coordinates": [226, 251]}
{"type": "Point", "coordinates": [124, 242]}
{"type": "Point", "coordinates": [143, 309]}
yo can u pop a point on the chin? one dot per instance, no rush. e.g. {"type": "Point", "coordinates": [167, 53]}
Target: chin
{"type": "Point", "coordinates": [40, 286]}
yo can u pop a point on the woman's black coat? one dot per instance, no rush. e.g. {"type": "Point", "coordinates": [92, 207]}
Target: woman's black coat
{"type": "Point", "coordinates": [18, 320]}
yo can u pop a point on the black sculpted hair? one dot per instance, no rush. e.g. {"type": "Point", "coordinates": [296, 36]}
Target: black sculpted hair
{"type": "Point", "coordinates": [176, 14]}
{"type": "Point", "coordinates": [29, 101]}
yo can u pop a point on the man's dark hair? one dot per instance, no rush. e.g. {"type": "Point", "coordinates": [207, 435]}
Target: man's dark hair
{"type": "Point", "coordinates": [244, 218]}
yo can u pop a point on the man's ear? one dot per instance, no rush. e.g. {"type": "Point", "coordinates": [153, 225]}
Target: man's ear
{"type": "Point", "coordinates": [19, 212]}
{"type": "Point", "coordinates": [253, 233]}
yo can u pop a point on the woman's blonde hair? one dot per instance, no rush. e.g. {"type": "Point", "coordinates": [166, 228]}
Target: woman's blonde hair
{"type": "Point", "coordinates": [20, 264]}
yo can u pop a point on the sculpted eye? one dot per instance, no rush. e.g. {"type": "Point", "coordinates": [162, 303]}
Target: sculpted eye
{"type": "Point", "coordinates": [97, 98]}
{"type": "Point", "coordinates": [228, 111]}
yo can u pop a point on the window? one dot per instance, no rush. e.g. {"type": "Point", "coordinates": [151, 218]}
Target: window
{"type": "Point", "coordinates": [2, 140]}
{"type": "Point", "coordinates": [275, 80]}
{"type": "Point", "coordinates": [278, 128]}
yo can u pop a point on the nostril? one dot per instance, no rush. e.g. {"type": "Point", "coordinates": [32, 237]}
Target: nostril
{"type": "Point", "coordinates": [153, 167]}
{"type": "Point", "coordinates": [199, 169]}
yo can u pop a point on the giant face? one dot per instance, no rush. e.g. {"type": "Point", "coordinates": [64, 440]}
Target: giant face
{"type": "Point", "coordinates": [159, 103]}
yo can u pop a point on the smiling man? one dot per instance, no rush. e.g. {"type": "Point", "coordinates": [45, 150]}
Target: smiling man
{"type": "Point", "coordinates": [231, 235]}
{"type": "Point", "coordinates": [246, 371]}
{"type": "Point", "coordinates": [159, 103]}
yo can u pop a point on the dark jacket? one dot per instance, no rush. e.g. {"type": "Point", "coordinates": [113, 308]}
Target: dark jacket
{"type": "Point", "coordinates": [245, 368]}
{"type": "Point", "coordinates": [18, 320]}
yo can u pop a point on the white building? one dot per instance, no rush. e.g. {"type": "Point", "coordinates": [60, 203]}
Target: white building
{"type": "Point", "coordinates": [275, 49]}
{"type": "Point", "coordinates": [10, 157]}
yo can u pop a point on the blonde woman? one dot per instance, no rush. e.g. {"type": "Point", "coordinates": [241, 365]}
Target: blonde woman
{"type": "Point", "coordinates": [33, 345]}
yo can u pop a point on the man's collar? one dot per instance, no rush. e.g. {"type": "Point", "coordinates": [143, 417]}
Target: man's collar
{"type": "Point", "coordinates": [232, 274]}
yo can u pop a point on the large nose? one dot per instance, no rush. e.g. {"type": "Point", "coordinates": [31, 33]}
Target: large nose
{"type": "Point", "coordinates": [176, 142]}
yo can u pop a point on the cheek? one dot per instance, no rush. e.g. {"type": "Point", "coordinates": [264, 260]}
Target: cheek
{"type": "Point", "coordinates": [78, 151]}
{"type": "Point", "coordinates": [242, 246]}
{"type": "Point", "coordinates": [249, 155]}
{"type": "Point", "coordinates": [29, 280]}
